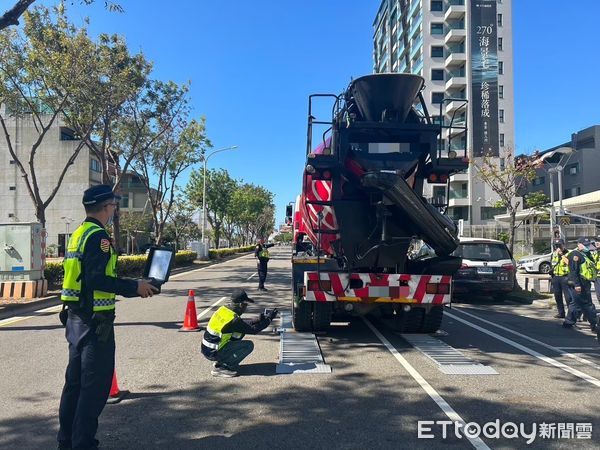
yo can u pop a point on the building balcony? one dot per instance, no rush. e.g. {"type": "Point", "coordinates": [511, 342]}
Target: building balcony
{"type": "Point", "coordinates": [459, 201]}
{"type": "Point", "coordinates": [462, 177]}
{"type": "Point", "coordinates": [453, 106]}
{"type": "Point", "coordinates": [456, 82]}
{"type": "Point", "coordinates": [455, 9]}
{"type": "Point", "coordinates": [456, 59]}
{"type": "Point", "coordinates": [455, 35]}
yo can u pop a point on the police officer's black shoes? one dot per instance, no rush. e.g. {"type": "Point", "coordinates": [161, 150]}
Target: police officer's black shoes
{"type": "Point", "coordinates": [223, 372]}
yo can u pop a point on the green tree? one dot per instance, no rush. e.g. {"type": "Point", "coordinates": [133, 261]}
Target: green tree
{"type": "Point", "coordinates": [45, 70]}
{"type": "Point", "coordinates": [253, 211]}
{"type": "Point", "coordinates": [180, 145]}
{"type": "Point", "coordinates": [220, 188]}
{"type": "Point", "coordinates": [11, 16]}
{"type": "Point", "coordinates": [507, 181]}
{"type": "Point", "coordinates": [181, 227]}
{"type": "Point", "coordinates": [135, 225]}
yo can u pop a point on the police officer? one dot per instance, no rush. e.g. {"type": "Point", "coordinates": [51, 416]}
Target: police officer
{"type": "Point", "coordinates": [262, 255]}
{"type": "Point", "coordinates": [89, 288]}
{"type": "Point", "coordinates": [223, 339]}
{"type": "Point", "coordinates": [560, 272]}
{"type": "Point", "coordinates": [582, 271]}
{"type": "Point", "coordinates": [596, 256]}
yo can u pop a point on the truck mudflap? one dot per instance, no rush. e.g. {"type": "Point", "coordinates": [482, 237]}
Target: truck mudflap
{"type": "Point", "coordinates": [377, 288]}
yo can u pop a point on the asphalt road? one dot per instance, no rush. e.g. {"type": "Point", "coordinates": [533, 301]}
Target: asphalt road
{"type": "Point", "coordinates": [379, 389]}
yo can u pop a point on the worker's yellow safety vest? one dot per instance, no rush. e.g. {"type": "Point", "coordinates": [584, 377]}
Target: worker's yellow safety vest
{"type": "Point", "coordinates": [596, 256]}
{"type": "Point", "coordinates": [213, 338]}
{"type": "Point", "coordinates": [71, 288]}
{"type": "Point", "coordinates": [264, 253]}
{"type": "Point", "coordinates": [588, 269]}
{"type": "Point", "coordinates": [560, 268]}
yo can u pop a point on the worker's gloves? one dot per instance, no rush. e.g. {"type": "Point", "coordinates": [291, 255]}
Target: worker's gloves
{"type": "Point", "coordinates": [273, 314]}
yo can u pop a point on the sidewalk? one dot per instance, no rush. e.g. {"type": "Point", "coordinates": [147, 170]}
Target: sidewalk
{"type": "Point", "coordinates": [12, 307]}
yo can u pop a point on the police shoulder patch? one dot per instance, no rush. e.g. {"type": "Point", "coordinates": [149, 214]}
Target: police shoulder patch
{"type": "Point", "coordinates": [575, 258]}
{"type": "Point", "coordinates": [105, 245]}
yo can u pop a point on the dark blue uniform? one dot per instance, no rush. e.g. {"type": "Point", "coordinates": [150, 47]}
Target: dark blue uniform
{"type": "Point", "coordinates": [91, 349]}
{"type": "Point", "coordinates": [582, 300]}
{"type": "Point", "coordinates": [261, 267]}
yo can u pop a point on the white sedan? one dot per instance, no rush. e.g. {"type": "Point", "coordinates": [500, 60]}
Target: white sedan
{"type": "Point", "coordinates": [535, 263]}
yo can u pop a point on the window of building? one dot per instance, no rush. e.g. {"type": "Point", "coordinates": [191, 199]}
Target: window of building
{"type": "Point", "coordinates": [501, 139]}
{"type": "Point", "coordinates": [500, 43]}
{"type": "Point", "coordinates": [125, 201]}
{"type": "Point", "coordinates": [488, 212]}
{"type": "Point", "coordinates": [437, 5]}
{"type": "Point", "coordinates": [437, 74]}
{"type": "Point", "coordinates": [437, 51]}
{"type": "Point", "coordinates": [458, 212]}
{"type": "Point", "coordinates": [437, 97]}
{"type": "Point", "coordinates": [572, 169]}
{"type": "Point", "coordinates": [12, 161]}
{"type": "Point", "coordinates": [500, 67]}
{"type": "Point", "coordinates": [12, 188]}
{"type": "Point", "coordinates": [502, 164]}
{"type": "Point", "coordinates": [11, 215]}
{"type": "Point", "coordinates": [95, 165]}
{"type": "Point", "coordinates": [67, 134]}
{"type": "Point", "coordinates": [501, 115]}
{"type": "Point", "coordinates": [572, 192]}
{"type": "Point", "coordinates": [538, 181]}
{"type": "Point", "coordinates": [499, 20]}
{"type": "Point", "coordinates": [437, 28]}
{"type": "Point", "coordinates": [500, 91]}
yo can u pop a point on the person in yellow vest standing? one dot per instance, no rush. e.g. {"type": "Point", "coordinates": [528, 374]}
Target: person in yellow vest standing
{"type": "Point", "coordinates": [596, 255]}
{"type": "Point", "coordinates": [223, 341]}
{"type": "Point", "coordinates": [560, 272]}
{"type": "Point", "coordinates": [88, 294]}
{"type": "Point", "coordinates": [262, 255]}
{"type": "Point", "coordinates": [582, 271]}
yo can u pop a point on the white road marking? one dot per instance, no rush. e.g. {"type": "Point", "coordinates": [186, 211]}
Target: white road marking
{"type": "Point", "coordinates": [579, 348]}
{"type": "Point", "coordinates": [437, 398]}
{"type": "Point", "coordinates": [208, 267]}
{"type": "Point", "coordinates": [11, 320]}
{"type": "Point", "coordinates": [543, 344]}
{"type": "Point", "coordinates": [529, 351]}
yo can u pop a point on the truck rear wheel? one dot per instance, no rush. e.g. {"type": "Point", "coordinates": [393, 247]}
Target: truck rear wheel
{"type": "Point", "coordinates": [302, 315]}
{"type": "Point", "coordinates": [433, 319]}
{"type": "Point", "coordinates": [321, 316]}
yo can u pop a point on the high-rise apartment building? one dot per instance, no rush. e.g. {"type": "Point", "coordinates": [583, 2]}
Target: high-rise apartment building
{"type": "Point", "coordinates": [463, 50]}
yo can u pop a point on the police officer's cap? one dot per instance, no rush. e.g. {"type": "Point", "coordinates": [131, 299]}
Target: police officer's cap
{"type": "Point", "coordinates": [98, 194]}
{"type": "Point", "coordinates": [584, 241]}
{"type": "Point", "coordinates": [240, 296]}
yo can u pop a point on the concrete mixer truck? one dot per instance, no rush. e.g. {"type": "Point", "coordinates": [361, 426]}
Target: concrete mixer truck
{"type": "Point", "coordinates": [361, 214]}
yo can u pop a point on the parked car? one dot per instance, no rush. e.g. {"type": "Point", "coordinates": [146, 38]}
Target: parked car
{"type": "Point", "coordinates": [535, 263]}
{"type": "Point", "coordinates": [487, 268]}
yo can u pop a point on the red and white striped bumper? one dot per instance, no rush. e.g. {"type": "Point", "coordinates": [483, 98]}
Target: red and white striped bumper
{"type": "Point", "coordinates": [378, 288]}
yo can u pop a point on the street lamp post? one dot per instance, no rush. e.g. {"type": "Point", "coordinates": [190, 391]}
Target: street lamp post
{"type": "Point", "coordinates": [205, 159]}
{"type": "Point", "coordinates": [68, 221]}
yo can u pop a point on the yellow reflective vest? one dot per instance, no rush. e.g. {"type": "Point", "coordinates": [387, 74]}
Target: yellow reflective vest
{"type": "Point", "coordinates": [558, 265]}
{"type": "Point", "coordinates": [213, 339]}
{"type": "Point", "coordinates": [587, 269]}
{"type": "Point", "coordinates": [71, 288]}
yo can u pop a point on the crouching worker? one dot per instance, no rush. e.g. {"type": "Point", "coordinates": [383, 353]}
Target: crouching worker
{"type": "Point", "coordinates": [223, 339]}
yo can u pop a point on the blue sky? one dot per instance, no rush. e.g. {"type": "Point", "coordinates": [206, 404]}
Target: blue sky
{"type": "Point", "coordinates": [252, 65]}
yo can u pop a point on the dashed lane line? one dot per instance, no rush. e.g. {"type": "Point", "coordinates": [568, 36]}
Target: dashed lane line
{"type": "Point", "coordinates": [437, 398]}
{"type": "Point", "coordinates": [546, 359]}
{"type": "Point", "coordinates": [535, 341]}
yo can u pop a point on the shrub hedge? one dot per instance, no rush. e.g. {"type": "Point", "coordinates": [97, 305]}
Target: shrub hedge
{"type": "Point", "coordinates": [133, 265]}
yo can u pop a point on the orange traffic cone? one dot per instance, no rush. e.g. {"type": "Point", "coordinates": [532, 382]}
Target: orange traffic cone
{"type": "Point", "coordinates": [115, 395]}
{"type": "Point", "coordinates": [190, 321]}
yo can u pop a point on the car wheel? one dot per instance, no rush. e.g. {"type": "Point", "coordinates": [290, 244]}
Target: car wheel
{"type": "Point", "coordinates": [545, 267]}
